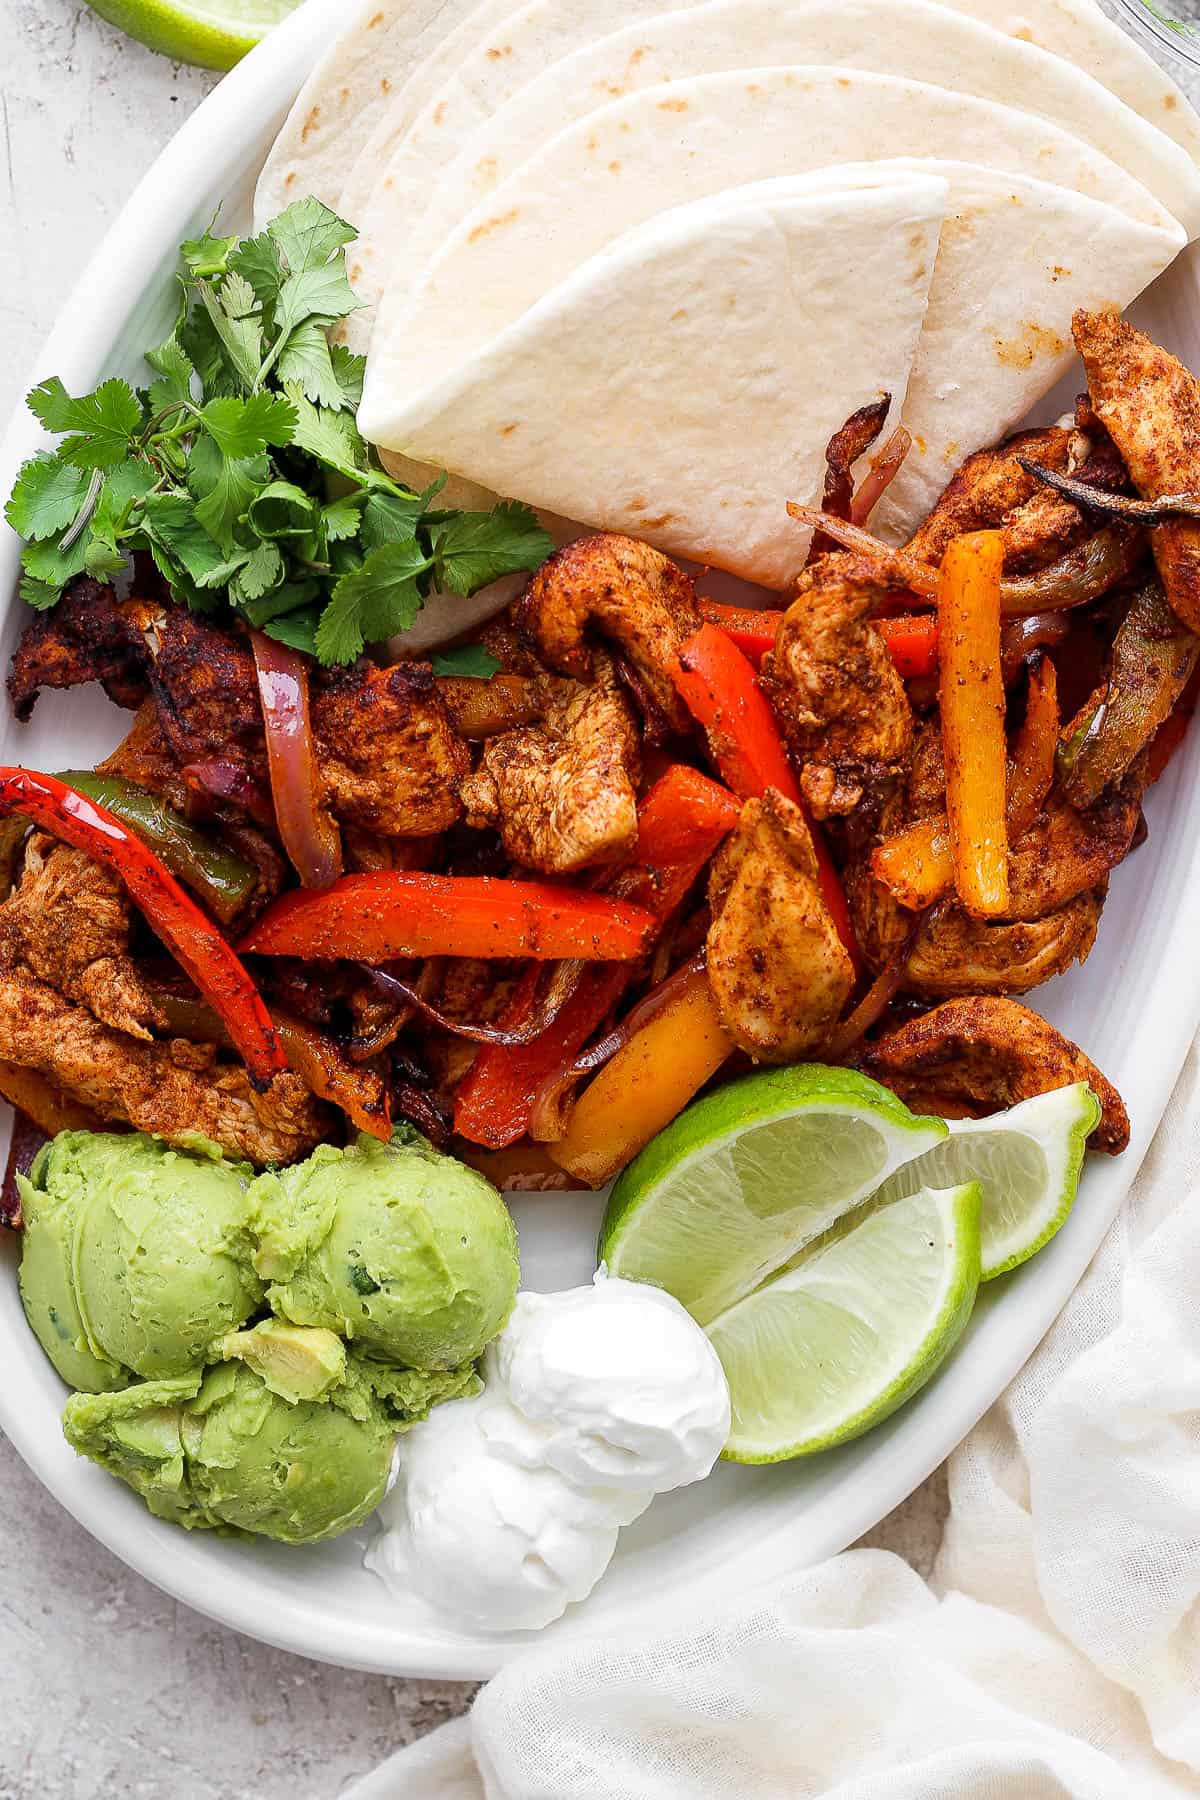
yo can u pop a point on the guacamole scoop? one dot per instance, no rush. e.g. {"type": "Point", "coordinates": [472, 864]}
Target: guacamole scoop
{"type": "Point", "coordinates": [407, 1253]}
{"type": "Point", "coordinates": [136, 1257]}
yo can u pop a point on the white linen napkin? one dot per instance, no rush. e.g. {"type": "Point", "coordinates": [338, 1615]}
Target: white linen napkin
{"type": "Point", "coordinates": [1054, 1653]}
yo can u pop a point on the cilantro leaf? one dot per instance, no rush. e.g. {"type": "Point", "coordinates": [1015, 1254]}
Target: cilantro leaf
{"type": "Point", "coordinates": [350, 371]}
{"type": "Point", "coordinates": [206, 256]}
{"type": "Point", "coordinates": [298, 630]}
{"type": "Point", "coordinates": [308, 234]}
{"type": "Point", "coordinates": [47, 562]}
{"type": "Point", "coordinates": [233, 312]}
{"type": "Point", "coordinates": [105, 420]}
{"type": "Point", "coordinates": [373, 602]}
{"type": "Point", "coordinates": [200, 341]}
{"type": "Point", "coordinates": [41, 595]}
{"type": "Point", "coordinates": [260, 573]}
{"type": "Point", "coordinates": [472, 549]}
{"type": "Point", "coordinates": [331, 437]}
{"type": "Point", "coordinates": [47, 496]}
{"type": "Point", "coordinates": [342, 518]}
{"type": "Point", "coordinates": [288, 597]}
{"type": "Point", "coordinates": [305, 358]}
{"type": "Point", "coordinates": [242, 428]}
{"type": "Point", "coordinates": [175, 372]}
{"type": "Point", "coordinates": [171, 522]}
{"type": "Point", "coordinates": [257, 261]}
{"type": "Point", "coordinates": [224, 487]}
{"type": "Point", "coordinates": [466, 659]}
{"type": "Point", "coordinates": [282, 510]}
{"type": "Point", "coordinates": [389, 519]}
{"type": "Point", "coordinates": [322, 294]}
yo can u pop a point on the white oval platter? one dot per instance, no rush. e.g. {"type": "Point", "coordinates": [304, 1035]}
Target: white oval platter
{"type": "Point", "coordinates": [1134, 1007]}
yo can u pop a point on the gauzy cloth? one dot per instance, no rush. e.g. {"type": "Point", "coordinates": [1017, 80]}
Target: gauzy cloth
{"type": "Point", "coordinates": [1054, 1652]}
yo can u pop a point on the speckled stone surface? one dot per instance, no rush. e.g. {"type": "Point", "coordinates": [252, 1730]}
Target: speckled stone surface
{"type": "Point", "coordinates": [110, 1691]}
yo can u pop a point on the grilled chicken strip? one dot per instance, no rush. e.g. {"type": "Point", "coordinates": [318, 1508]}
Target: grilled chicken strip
{"type": "Point", "coordinates": [834, 687]}
{"type": "Point", "coordinates": [390, 757]}
{"type": "Point", "coordinates": [960, 955]}
{"type": "Point", "coordinates": [988, 1053]}
{"type": "Point", "coordinates": [563, 792]}
{"type": "Point", "coordinates": [176, 1089]}
{"type": "Point", "coordinates": [779, 972]}
{"type": "Point", "coordinates": [1150, 405]}
{"type": "Point", "coordinates": [69, 922]}
{"type": "Point", "coordinates": [989, 487]}
{"type": "Point", "coordinates": [86, 637]}
{"type": "Point", "coordinates": [631, 594]}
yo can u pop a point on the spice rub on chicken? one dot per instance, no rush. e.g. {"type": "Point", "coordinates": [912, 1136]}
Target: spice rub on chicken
{"type": "Point", "coordinates": [780, 974]}
{"type": "Point", "coordinates": [562, 792]}
{"type": "Point", "coordinates": [74, 1007]}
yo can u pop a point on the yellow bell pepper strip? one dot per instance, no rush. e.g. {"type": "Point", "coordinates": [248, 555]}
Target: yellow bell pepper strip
{"type": "Point", "coordinates": [971, 692]}
{"type": "Point", "coordinates": [192, 939]}
{"type": "Point", "coordinates": [359, 1092]}
{"type": "Point", "coordinates": [647, 1083]}
{"type": "Point", "coordinates": [390, 913]}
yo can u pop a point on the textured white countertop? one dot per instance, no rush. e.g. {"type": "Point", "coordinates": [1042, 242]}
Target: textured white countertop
{"type": "Point", "coordinates": [110, 1689]}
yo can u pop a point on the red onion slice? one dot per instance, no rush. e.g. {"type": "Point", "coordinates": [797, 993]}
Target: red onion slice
{"type": "Point", "coordinates": [306, 829]}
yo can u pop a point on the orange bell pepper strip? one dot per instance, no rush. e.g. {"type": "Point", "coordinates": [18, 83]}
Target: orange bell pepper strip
{"type": "Point", "coordinates": [48, 1107]}
{"type": "Point", "coordinates": [189, 935]}
{"type": "Point", "coordinates": [646, 1085]}
{"type": "Point", "coordinates": [722, 693]}
{"type": "Point", "coordinates": [390, 913]}
{"type": "Point", "coordinates": [917, 864]}
{"type": "Point", "coordinates": [971, 693]}
{"type": "Point", "coordinates": [359, 1092]}
{"type": "Point", "coordinates": [682, 813]}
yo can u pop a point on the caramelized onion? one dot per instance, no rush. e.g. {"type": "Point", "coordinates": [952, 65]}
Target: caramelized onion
{"type": "Point", "coordinates": [896, 566]}
{"type": "Point", "coordinates": [879, 477]}
{"type": "Point", "coordinates": [881, 992]}
{"type": "Point", "coordinates": [547, 1116]}
{"type": "Point", "coordinates": [1019, 638]}
{"type": "Point", "coordinates": [306, 829]}
{"type": "Point", "coordinates": [1114, 506]}
{"type": "Point", "coordinates": [564, 979]}
{"type": "Point", "coordinates": [226, 780]}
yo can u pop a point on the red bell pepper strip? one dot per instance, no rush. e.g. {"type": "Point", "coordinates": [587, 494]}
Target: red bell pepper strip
{"type": "Point", "coordinates": [912, 643]}
{"type": "Point", "coordinates": [753, 632]}
{"type": "Point", "coordinates": [681, 813]}
{"type": "Point", "coordinates": [495, 1097]}
{"type": "Point", "coordinates": [722, 693]}
{"type": "Point", "coordinates": [192, 939]}
{"type": "Point", "coordinates": [391, 913]}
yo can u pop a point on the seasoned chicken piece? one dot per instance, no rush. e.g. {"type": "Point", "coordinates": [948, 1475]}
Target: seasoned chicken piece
{"type": "Point", "coordinates": [1150, 405]}
{"type": "Point", "coordinates": [780, 974]}
{"type": "Point", "coordinates": [206, 691]}
{"type": "Point", "coordinates": [176, 1089]}
{"type": "Point", "coordinates": [69, 921]}
{"type": "Point", "coordinates": [990, 1053]}
{"type": "Point", "coordinates": [834, 687]}
{"type": "Point", "coordinates": [848, 443]}
{"type": "Point", "coordinates": [1066, 853]}
{"type": "Point", "coordinates": [631, 594]}
{"type": "Point", "coordinates": [391, 759]}
{"type": "Point", "coordinates": [144, 757]}
{"type": "Point", "coordinates": [960, 955]}
{"type": "Point", "coordinates": [86, 637]}
{"type": "Point", "coordinates": [562, 793]}
{"type": "Point", "coordinates": [987, 488]}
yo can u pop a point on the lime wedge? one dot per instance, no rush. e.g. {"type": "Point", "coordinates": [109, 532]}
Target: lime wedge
{"type": "Point", "coordinates": [860, 1321]}
{"type": "Point", "coordinates": [1026, 1161]}
{"type": "Point", "coordinates": [746, 1177]}
{"type": "Point", "coordinates": [214, 35]}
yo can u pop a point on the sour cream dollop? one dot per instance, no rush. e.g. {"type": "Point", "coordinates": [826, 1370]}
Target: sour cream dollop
{"type": "Point", "coordinates": [508, 1505]}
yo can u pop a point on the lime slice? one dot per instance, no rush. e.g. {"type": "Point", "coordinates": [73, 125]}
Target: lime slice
{"type": "Point", "coordinates": [214, 35]}
{"type": "Point", "coordinates": [860, 1321]}
{"type": "Point", "coordinates": [747, 1176]}
{"type": "Point", "coordinates": [1026, 1161]}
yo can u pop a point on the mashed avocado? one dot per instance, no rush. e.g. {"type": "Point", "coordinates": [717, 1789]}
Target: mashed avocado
{"type": "Point", "coordinates": [136, 1256]}
{"type": "Point", "coordinates": [407, 1253]}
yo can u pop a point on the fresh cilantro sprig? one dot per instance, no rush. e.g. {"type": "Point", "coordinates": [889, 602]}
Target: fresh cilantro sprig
{"type": "Point", "coordinates": [240, 470]}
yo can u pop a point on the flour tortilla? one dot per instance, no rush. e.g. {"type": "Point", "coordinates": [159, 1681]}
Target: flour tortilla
{"type": "Point", "coordinates": [390, 57]}
{"type": "Point", "coordinates": [654, 150]}
{"type": "Point", "coordinates": [411, 210]}
{"type": "Point", "coordinates": [683, 384]}
{"type": "Point", "coordinates": [678, 455]}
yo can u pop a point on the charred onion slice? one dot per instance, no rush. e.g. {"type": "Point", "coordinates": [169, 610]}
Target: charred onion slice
{"type": "Point", "coordinates": [306, 830]}
{"type": "Point", "coordinates": [359, 1092]}
{"type": "Point", "coordinates": [548, 1116]}
{"type": "Point", "coordinates": [1081, 575]}
{"type": "Point", "coordinates": [226, 780]}
{"type": "Point", "coordinates": [1118, 507]}
{"type": "Point", "coordinates": [1022, 638]}
{"type": "Point", "coordinates": [882, 991]}
{"type": "Point", "coordinates": [564, 979]}
{"type": "Point", "coordinates": [879, 477]}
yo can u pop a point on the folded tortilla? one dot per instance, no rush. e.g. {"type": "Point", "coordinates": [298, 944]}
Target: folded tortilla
{"type": "Point", "coordinates": [684, 384]}
{"type": "Point", "coordinates": [654, 150]}
{"type": "Point", "coordinates": [421, 197]}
